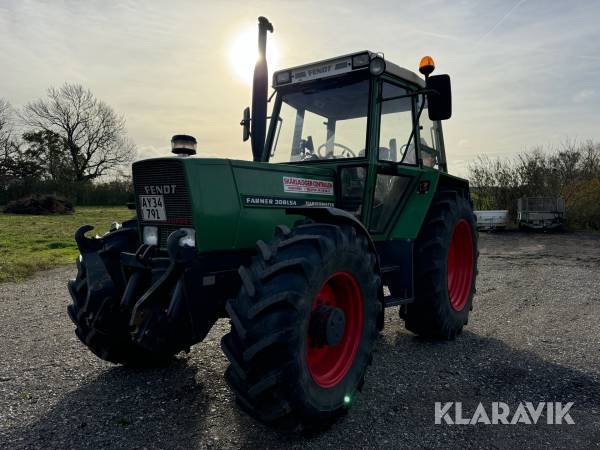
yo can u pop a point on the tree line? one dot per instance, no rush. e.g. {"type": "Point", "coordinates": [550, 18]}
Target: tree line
{"type": "Point", "coordinates": [570, 170]}
{"type": "Point", "coordinates": [61, 144]}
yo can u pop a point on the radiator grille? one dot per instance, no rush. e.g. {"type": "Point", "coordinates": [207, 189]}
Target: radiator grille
{"type": "Point", "coordinates": [177, 205]}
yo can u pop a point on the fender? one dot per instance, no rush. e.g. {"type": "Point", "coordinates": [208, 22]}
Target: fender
{"type": "Point", "coordinates": [334, 216]}
{"type": "Point", "coordinates": [450, 182]}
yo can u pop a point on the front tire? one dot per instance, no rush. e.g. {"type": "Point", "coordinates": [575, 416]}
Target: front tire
{"type": "Point", "coordinates": [445, 260]}
{"type": "Point", "coordinates": [102, 324]}
{"type": "Point", "coordinates": [295, 362]}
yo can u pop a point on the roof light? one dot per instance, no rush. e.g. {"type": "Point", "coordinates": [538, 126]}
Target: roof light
{"type": "Point", "coordinates": [360, 60]}
{"type": "Point", "coordinates": [183, 145]}
{"type": "Point", "coordinates": [426, 66]}
{"type": "Point", "coordinates": [377, 66]}
{"type": "Point", "coordinates": [283, 77]}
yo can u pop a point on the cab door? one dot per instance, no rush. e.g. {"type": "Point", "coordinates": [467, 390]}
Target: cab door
{"type": "Point", "coordinates": [395, 171]}
{"type": "Point", "coordinates": [395, 157]}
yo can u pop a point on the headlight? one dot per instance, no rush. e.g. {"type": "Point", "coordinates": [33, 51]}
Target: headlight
{"type": "Point", "coordinates": [150, 235]}
{"type": "Point", "coordinates": [189, 240]}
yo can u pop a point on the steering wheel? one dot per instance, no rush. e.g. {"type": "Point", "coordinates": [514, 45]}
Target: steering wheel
{"type": "Point", "coordinates": [404, 152]}
{"type": "Point", "coordinates": [345, 151]}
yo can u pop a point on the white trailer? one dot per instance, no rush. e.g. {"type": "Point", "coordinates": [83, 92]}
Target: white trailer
{"type": "Point", "coordinates": [541, 212]}
{"type": "Point", "coordinates": [492, 220]}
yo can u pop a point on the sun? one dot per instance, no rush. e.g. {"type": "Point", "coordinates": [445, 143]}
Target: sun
{"type": "Point", "coordinates": [243, 52]}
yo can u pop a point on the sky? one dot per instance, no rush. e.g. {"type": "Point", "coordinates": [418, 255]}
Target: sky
{"type": "Point", "coordinates": [525, 73]}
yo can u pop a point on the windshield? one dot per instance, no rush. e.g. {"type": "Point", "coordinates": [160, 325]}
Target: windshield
{"type": "Point", "coordinates": [328, 121]}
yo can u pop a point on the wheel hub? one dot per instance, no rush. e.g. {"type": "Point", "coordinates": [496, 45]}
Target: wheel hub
{"type": "Point", "coordinates": [326, 326]}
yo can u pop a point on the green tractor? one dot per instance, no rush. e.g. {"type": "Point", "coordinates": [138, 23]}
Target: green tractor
{"type": "Point", "coordinates": [346, 209]}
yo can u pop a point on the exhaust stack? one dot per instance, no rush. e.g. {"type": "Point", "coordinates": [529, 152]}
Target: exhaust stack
{"type": "Point", "coordinates": [260, 91]}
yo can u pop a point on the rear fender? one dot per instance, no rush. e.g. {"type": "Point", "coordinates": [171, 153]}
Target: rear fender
{"type": "Point", "coordinates": [451, 183]}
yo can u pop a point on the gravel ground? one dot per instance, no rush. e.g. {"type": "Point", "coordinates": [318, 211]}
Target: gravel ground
{"type": "Point", "coordinates": [534, 335]}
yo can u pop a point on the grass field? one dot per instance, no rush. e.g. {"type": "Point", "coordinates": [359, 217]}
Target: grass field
{"type": "Point", "coordinates": [31, 243]}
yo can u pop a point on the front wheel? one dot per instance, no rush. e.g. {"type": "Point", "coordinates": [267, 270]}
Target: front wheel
{"type": "Point", "coordinates": [303, 326]}
{"type": "Point", "coordinates": [445, 269]}
{"type": "Point", "coordinates": [102, 324]}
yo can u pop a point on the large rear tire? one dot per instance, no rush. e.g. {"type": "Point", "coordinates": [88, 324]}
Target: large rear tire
{"type": "Point", "coordinates": [295, 362]}
{"type": "Point", "coordinates": [445, 260]}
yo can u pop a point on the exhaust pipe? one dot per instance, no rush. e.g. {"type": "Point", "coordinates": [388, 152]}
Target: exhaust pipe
{"type": "Point", "coordinates": [260, 88]}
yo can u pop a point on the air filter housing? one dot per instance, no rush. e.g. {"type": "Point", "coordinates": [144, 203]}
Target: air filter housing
{"type": "Point", "coordinates": [183, 145]}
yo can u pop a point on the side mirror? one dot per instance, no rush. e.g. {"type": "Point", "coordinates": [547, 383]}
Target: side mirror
{"type": "Point", "coordinates": [439, 103]}
{"type": "Point", "coordinates": [245, 123]}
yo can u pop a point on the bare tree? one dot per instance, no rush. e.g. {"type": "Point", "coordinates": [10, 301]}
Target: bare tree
{"type": "Point", "coordinates": [94, 135]}
{"type": "Point", "coordinates": [5, 122]}
{"type": "Point", "coordinates": [9, 147]}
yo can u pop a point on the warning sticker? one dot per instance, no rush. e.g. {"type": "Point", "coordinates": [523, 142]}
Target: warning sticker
{"type": "Point", "coordinates": [307, 186]}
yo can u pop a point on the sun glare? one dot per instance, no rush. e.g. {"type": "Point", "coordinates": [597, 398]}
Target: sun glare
{"type": "Point", "coordinates": [243, 52]}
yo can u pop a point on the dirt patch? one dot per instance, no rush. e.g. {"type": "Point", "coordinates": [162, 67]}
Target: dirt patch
{"type": "Point", "coordinates": [40, 205]}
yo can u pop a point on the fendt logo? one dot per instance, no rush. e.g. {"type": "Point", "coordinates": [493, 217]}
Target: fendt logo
{"type": "Point", "coordinates": [318, 70]}
{"type": "Point", "coordinates": [165, 189]}
{"type": "Point", "coordinates": [555, 414]}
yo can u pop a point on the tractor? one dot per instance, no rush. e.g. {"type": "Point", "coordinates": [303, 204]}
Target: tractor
{"type": "Point", "coordinates": [345, 209]}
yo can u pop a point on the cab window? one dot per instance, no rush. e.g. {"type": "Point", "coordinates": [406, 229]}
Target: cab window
{"type": "Point", "coordinates": [429, 136]}
{"type": "Point", "coordinates": [396, 142]}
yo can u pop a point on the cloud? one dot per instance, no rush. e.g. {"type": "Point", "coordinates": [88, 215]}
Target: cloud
{"type": "Point", "coordinates": [583, 95]}
{"type": "Point", "coordinates": [149, 151]}
{"type": "Point", "coordinates": [463, 143]}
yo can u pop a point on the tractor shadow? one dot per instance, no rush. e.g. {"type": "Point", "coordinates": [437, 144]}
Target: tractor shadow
{"type": "Point", "coordinates": [124, 408]}
{"type": "Point", "coordinates": [408, 375]}
{"type": "Point", "coordinates": [187, 405]}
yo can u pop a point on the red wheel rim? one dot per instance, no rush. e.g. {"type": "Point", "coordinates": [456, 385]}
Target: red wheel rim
{"type": "Point", "coordinates": [460, 265]}
{"type": "Point", "coordinates": [328, 365]}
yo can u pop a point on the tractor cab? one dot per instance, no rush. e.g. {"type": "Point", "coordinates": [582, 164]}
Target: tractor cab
{"type": "Point", "coordinates": [376, 124]}
{"type": "Point", "coordinates": [324, 110]}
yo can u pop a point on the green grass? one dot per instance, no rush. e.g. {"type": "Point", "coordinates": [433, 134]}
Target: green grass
{"type": "Point", "coordinates": [31, 243]}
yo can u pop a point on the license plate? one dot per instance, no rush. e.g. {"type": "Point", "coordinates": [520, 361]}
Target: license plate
{"type": "Point", "coordinates": [153, 208]}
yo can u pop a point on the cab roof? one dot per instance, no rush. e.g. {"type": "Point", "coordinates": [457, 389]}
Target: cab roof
{"type": "Point", "coordinates": [338, 66]}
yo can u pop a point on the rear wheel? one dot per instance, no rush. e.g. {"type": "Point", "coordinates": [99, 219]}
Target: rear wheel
{"type": "Point", "coordinates": [303, 326]}
{"type": "Point", "coordinates": [445, 269]}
